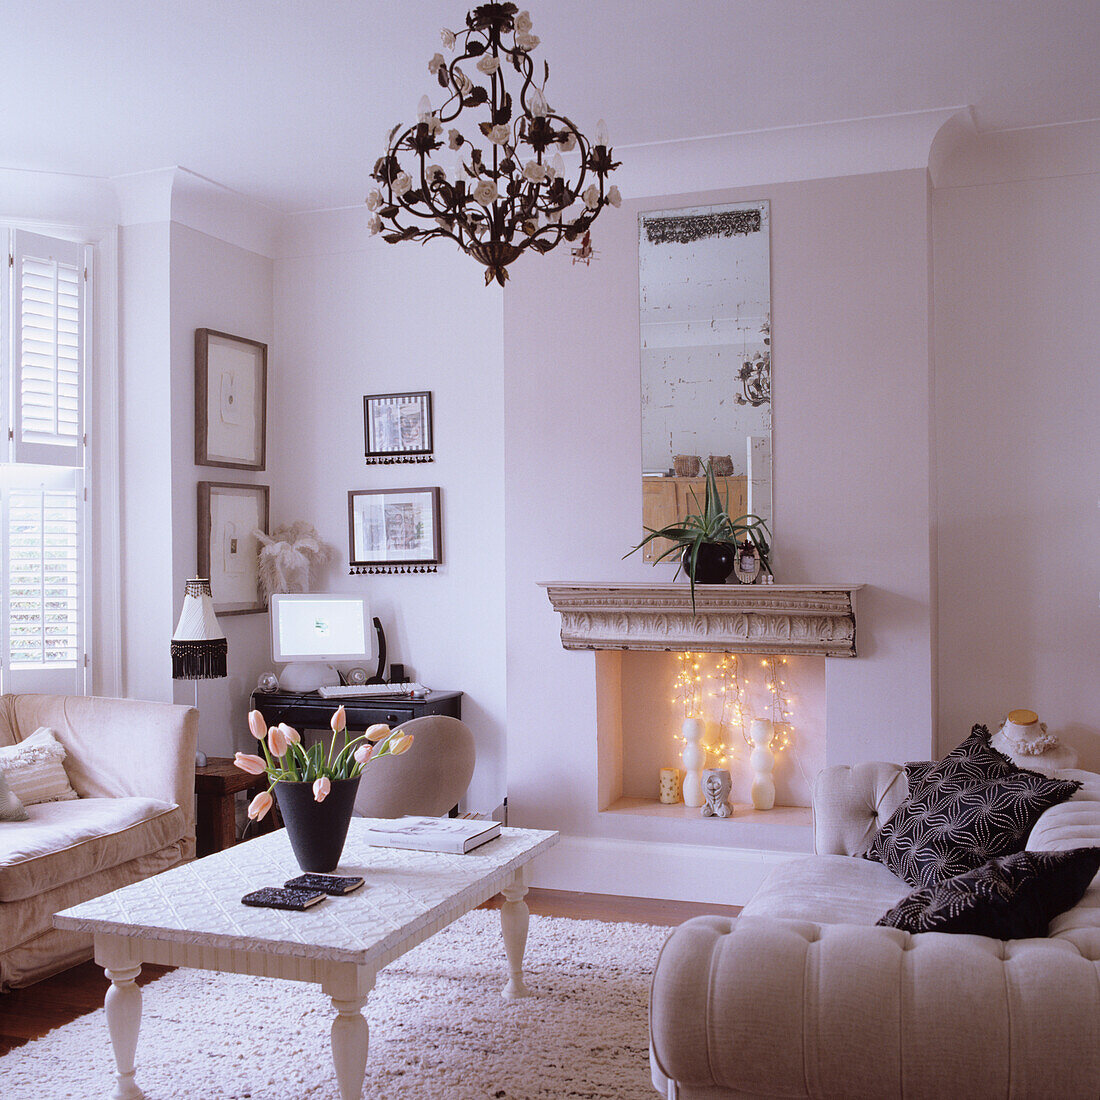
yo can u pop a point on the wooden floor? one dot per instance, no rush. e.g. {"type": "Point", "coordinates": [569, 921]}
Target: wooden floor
{"type": "Point", "coordinates": [29, 1013]}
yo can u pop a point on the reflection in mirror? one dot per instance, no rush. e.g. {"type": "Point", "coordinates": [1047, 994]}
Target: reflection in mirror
{"type": "Point", "coordinates": [705, 280]}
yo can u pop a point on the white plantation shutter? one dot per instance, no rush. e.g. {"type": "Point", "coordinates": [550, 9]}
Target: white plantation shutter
{"type": "Point", "coordinates": [44, 332]}
{"type": "Point", "coordinates": [44, 578]}
{"type": "Point", "coordinates": [49, 336]}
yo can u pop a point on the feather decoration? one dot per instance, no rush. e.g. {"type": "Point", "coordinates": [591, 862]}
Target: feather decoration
{"type": "Point", "coordinates": [291, 558]}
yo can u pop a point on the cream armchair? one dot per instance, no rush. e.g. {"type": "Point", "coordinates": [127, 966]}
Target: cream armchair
{"type": "Point", "coordinates": [803, 996]}
{"type": "Point", "coordinates": [133, 765]}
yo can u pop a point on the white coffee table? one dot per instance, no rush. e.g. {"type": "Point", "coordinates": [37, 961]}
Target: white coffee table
{"type": "Point", "coordinates": [193, 916]}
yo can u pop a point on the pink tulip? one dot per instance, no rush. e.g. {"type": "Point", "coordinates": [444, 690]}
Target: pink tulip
{"type": "Point", "coordinates": [293, 737]}
{"type": "Point", "coordinates": [378, 732]}
{"type": "Point", "coordinates": [259, 806]}
{"type": "Point", "coordinates": [257, 725]}
{"type": "Point", "coordinates": [339, 720]}
{"type": "Point", "coordinates": [321, 787]}
{"type": "Point", "coordinates": [362, 754]}
{"type": "Point", "coordinates": [248, 763]}
{"type": "Point", "coordinates": [402, 743]}
{"type": "Point", "coordinates": [276, 741]}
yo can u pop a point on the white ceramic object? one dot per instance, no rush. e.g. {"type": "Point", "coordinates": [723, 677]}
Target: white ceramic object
{"type": "Point", "coordinates": [762, 761]}
{"type": "Point", "coordinates": [694, 758]}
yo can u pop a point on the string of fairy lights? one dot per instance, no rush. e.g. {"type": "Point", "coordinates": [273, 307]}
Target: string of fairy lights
{"type": "Point", "coordinates": [730, 684]}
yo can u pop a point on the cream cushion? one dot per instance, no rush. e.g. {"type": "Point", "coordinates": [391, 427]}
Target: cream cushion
{"type": "Point", "coordinates": [829, 890]}
{"type": "Point", "coordinates": [64, 841]}
{"type": "Point", "coordinates": [34, 769]}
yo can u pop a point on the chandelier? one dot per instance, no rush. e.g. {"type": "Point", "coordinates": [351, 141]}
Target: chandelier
{"type": "Point", "coordinates": [507, 188]}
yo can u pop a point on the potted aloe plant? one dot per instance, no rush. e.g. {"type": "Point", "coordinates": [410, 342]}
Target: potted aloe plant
{"type": "Point", "coordinates": [706, 539]}
{"type": "Point", "coordinates": [315, 789]}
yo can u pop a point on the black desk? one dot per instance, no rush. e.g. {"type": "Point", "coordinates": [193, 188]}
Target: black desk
{"type": "Point", "coordinates": [307, 710]}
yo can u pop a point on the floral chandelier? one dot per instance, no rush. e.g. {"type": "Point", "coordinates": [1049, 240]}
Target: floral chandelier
{"type": "Point", "coordinates": [508, 189]}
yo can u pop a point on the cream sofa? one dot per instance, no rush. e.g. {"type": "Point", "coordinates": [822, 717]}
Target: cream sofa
{"type": "Point", "coordinates": [802, 995]}
{"type": "Point", "coordinates": [133, 765]}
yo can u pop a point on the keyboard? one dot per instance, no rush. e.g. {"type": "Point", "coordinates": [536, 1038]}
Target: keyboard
{"type": "Point", "coordinates": [359, 691]}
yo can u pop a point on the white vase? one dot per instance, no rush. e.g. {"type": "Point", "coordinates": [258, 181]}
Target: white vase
{"type": "Point", "coordinates": [694, 758]}
{"type": "Point", "coordinates": [762, 762]}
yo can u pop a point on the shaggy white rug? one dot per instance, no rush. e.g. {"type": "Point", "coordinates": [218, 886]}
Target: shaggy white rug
{"type": "Point", "coordinates": [439, 1029]}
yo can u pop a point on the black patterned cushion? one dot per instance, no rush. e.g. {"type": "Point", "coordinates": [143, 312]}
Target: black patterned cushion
{"type": "Point", "coordinates": [1009, 898]}
{"type": "Point", "coordinates": [974, 761]}
{"type": "Point", "coordinates": [950, 823]}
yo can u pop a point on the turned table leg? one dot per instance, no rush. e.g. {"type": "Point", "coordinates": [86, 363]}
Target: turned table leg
{"type": "Point", "coordinates": [123, 1009]}
{"type": "Point", "coordinates": [348, 989]}
{"type": "Point", "coordinates": [514, 919]}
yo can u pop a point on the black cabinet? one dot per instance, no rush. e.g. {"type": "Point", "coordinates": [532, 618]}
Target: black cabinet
{"type": "Point", "coordinates": [307, 710]}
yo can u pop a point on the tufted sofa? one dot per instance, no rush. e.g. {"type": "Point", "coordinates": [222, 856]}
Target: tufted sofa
{"type": "Point", "coordinates": [803, 996]}
{"type": "Point", "coordinates": [133, 766]}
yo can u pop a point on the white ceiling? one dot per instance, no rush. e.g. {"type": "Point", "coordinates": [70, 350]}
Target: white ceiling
{"type": "Point", "coordinates": [288, 101]}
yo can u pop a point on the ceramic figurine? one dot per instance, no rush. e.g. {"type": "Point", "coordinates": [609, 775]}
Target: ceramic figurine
{"type": "Point", "coordinates": [716, 787]}
{"type": "Point", "coordinates": [762, 760]}
{"type": "Point", "coordinates": [670, 786]}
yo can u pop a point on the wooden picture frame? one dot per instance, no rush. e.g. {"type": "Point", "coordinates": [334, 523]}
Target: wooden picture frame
{"type": "Point", "coordinates": [230, 401]}
{"type": "Point", "coordinates": [394, 527]}
{"type": "Point", "coordinates": [397, 427]}
{"type": "Point", "coordinates": [228, 551]}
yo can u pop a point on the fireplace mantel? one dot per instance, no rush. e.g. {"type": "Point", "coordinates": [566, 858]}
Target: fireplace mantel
{"type": "Point", "coordinates": [815, 620]}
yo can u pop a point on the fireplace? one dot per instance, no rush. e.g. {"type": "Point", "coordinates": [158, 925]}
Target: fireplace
{"type": "Point", "coordinates": [771, 641]}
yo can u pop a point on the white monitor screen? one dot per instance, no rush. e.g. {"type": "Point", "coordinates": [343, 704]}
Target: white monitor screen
{"type": "Point", "coordinates": [314, 627]}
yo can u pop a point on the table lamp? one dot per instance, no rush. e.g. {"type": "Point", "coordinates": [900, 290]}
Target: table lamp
{"type": "Point", "coordinates": [199, 648]}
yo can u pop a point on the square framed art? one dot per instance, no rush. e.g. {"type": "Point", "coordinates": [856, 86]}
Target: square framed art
{"type": "Point", "coordinates": [398, 427]}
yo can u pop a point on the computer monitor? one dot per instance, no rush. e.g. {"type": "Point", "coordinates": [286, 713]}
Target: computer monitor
{"type": "Point", "coordinates": [311, 630]}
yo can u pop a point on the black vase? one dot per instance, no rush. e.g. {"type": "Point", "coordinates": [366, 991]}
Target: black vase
{"type": "Point", "coordinates": [713, 565]}
{"type": "Point", "coordinates": [317, 830]}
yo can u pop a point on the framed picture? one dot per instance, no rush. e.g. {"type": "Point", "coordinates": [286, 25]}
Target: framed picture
{"type": "Point", "coordinates": [230, 401]}
{"type": "Point", "coordinates": [398, 427]}
{"type": "Point", "coordinates": [396, 527]}
{"type": "Point", "coordinates": [229, 552]}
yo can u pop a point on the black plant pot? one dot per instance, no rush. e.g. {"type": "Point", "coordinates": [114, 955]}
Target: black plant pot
{"type": "Point", "coordinates": [713, 565]}
{"type": "Point", "coordinates": [317, 830]}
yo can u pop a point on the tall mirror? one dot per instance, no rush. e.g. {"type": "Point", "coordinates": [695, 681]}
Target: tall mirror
{"type": "Point", "coordinates": [705, 359]}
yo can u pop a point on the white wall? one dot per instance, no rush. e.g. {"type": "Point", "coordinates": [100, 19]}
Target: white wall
{"type": "Point", "coordinates": [353, 317]}
{"type": "Point", "coordinates": [218, 285]}
{"type": "Point", "coordinates": [1017, 402]}
{"type": "Point", "coordinates": [145, 461]}
{"type": "Point", "coordinates": [851, 385]}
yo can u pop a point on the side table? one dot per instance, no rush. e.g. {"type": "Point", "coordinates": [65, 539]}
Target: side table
{"type": "Point", "coordinates": [217, 785]}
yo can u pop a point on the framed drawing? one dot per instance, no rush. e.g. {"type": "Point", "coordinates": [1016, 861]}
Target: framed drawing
{"type": "Point", "coordinates": [229, 552]}
{"type": "Point", "coordinates": [230, 401]}
{"type": "Point", "coordinates": [394, 530]}
{"type": "Point", "coordinates": [398, 427]}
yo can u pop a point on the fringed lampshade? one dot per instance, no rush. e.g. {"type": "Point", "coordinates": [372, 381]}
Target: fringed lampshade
{"type": "Point", "coordinates": [199, 648]}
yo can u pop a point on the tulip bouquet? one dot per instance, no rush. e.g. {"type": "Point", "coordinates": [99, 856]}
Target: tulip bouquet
{"type": "Point", "coordinates": [286, 760]}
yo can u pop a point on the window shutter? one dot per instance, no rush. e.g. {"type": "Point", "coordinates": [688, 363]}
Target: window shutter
{"type": "Point", "coordinates": [44, 578]}
{"type": "Point", "coordinates": [48, 329]}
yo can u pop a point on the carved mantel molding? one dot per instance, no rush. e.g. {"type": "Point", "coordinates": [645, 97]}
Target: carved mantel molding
{"type": "Point", "coordinates": [816, 620]}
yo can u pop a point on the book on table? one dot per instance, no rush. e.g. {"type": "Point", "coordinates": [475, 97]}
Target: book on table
{"type": "Point", "coordinates": [454, 835]}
